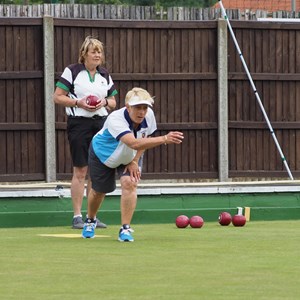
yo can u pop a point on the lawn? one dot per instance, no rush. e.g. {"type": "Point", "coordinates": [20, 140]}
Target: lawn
{"type": "Point", "coordinates": [258, 261]}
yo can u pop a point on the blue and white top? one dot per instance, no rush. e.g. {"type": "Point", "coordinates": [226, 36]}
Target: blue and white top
{"type": "Point", "coordinates": [76, 80]}
{"type": "Point", "coordinates": [107, 144]}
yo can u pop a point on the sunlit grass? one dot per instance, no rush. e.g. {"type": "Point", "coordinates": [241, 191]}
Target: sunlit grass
{"type": "Point", "coordinates": [258, 261]}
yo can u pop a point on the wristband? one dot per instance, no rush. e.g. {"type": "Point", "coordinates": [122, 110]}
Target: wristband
{"type": "Point", "coordinates": [76, 103]}
{"type": "Point", "coordinates": [166, 139]}
{"type": "Point", "coordinates": [133, 161]}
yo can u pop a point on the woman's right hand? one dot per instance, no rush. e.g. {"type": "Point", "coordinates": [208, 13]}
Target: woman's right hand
{"type": "Point", "coordinates": [174, 137]}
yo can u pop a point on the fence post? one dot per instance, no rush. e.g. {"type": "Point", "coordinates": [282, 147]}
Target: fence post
{"type": "Point", "coordinates": [222, 101]}
{"type": "Point", "coordinates": [50, 147]}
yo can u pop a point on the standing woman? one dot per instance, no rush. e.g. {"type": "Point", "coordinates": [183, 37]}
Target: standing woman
{"type": "Point", "coordinates": [76, 83]}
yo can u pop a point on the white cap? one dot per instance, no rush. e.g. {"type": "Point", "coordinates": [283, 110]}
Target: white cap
{"type": "Point", "coordinates": [136, 100]}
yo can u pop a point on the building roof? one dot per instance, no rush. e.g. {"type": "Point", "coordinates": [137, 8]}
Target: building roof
{"type": "Point", "coordinates": [268, 5]}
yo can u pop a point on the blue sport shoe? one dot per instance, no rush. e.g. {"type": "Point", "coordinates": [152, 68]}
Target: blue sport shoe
{"type": "Point", "coordinates": [125, 235]}
{"type": "Point", "coordinates": [88, 231]}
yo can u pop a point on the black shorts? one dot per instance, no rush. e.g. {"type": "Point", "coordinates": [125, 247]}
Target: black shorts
{"type": "Point", "coordinates": [103, 178]}
{"type": "Point", "coordinates": [80, 133]}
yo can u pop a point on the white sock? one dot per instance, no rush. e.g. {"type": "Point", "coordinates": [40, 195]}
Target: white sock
{"type": "Point", "coordinates": [75, 216]}
{"type": "Point", "coordinates": [92, 218]}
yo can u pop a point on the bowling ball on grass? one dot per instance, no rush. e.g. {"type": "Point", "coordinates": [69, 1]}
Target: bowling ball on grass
{"type": "Point", "coordinates": [182, 221]}
{"type": "Point", "coordinates": [196, 222]}
{"type": "Point", "coordinates": [225, 218]}
{"type": "Point", "coordinates": [239, 220]}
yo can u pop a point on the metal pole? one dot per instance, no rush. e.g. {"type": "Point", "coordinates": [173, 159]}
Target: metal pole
{"type": "Point", "coordinates": [293, 5]}
{"type": "Point", "coordinates": [255, 91]}
{"type": "Point", "coordinates": [48, 30]}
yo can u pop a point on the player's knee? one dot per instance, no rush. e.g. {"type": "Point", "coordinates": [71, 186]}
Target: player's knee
{"type": "Point", "coordinates": [128, 184]}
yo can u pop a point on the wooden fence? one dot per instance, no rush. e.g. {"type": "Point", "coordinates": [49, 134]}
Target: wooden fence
{"type": "Point", "coordinates": [100, 11]}
{"type": "Point", "coordinates": [163, 58]}
{"type": "Point", "coordinates": [178, 63]}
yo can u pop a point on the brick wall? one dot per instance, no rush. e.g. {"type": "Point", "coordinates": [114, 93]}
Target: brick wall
{"type": "Point", "coordinates": [269, 5]}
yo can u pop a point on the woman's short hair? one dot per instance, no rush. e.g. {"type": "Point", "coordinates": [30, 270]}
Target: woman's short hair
{"type": "Point", "coordinates": [138, 96]}
{"type": "Point", "coordinates": [90, 42]}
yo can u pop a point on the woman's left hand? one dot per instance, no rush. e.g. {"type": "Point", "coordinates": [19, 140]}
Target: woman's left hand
{"type": "Point", "coordinates": [134, 171]}
{"type": "Point", "coordinates": [102, 103]}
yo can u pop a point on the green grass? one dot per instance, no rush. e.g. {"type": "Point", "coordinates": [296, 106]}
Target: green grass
{"type": "Point", "coordinates": [258, 261]}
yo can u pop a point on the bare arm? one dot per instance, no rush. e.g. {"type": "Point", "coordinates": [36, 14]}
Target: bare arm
{"type": "Point", "coordinates": [111, 103]}
{"type": "Point", "coordinates": [173, 137]}
{"type": "Point", "coordinates": [60, 97]}
{"type": "Point", "coordinates": [138, 155]}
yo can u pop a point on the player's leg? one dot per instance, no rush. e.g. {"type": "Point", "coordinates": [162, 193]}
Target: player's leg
{"type": "Point", "coordinates": [77, 193]}
{"type": "Point", "coordinates": [128, 199]}
{"type": "Point", "coordinates": [99, 224]}
{"type": "Point", "coordinates": [103, 181]}
{"type": "Point", "coordinates": [95, 200]}
{"type": "Point", "coordinates": [128, 205]}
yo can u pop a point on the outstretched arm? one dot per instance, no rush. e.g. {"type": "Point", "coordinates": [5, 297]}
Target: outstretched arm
{"type": "Point", "coordinates": [173, 137]}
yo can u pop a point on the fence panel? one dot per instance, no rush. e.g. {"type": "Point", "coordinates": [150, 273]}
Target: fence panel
{"type": "Point", "coordinates": [270, 51]}
{"type": "Point", "coordinates": [175, 62]}
{"type": "Point", "coordinates": [22, 101]}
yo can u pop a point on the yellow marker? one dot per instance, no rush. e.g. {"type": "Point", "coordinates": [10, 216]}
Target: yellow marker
{"type": "Point", "coordinates": [247, 213]}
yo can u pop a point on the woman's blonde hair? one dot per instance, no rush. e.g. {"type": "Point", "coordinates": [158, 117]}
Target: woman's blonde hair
{"type": "Point", "coordinates": [139, 93]}
{"type": "Point", "coordinates": [90, 42]}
